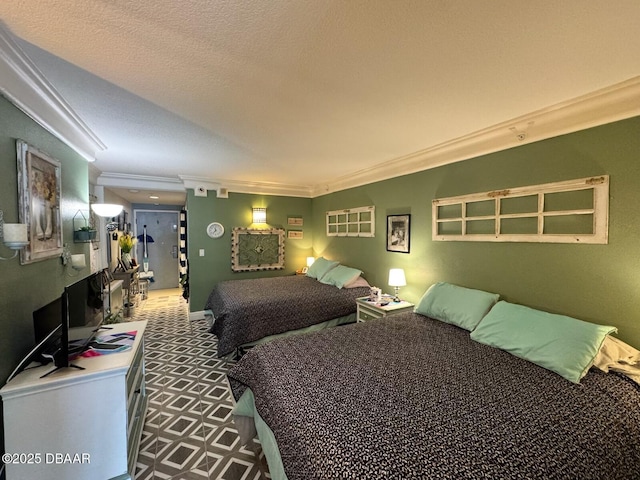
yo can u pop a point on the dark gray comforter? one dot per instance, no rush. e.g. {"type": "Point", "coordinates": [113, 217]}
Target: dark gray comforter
{"type": "Point", "coordinates": [248, 310]}
{"type": "Point", "coordinates": [411, 398]}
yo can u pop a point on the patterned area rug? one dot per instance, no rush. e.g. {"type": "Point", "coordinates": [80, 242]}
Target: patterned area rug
{"type": "Point", "coordinates": [189, 432]}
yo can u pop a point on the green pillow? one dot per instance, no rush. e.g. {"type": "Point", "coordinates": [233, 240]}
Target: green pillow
{"type": "Point", "coordinates": [320, 267]}
{"type": "Point", "coordinates": [459, 306]}
{"type": "Point", "coordinates": [340, 276]}
{"type": "Point", "coordinates": [562, 344]}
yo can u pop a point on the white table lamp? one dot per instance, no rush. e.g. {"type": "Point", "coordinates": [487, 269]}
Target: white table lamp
{"type": "Point", "coordinates": [397, 280]}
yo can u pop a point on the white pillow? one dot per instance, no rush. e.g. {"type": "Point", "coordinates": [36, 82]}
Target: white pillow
{"type": "Point", "coordinates": [617, 356]}
{"type": "Point", "coordinates": [358, 282]}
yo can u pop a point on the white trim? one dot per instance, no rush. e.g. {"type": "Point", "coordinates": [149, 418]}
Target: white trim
{"type": "Point", "coordinates": [607, 105]}
{"type": "Point", "coordinates": [27, 88]}
{"type": "Point", "coordinates": [239, 186]}
{"type": "Point", "coordinates": [142, 182]}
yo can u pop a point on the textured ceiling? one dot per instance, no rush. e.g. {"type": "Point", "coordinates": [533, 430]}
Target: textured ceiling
{"type": "Point", "coordinates": [301, 92]}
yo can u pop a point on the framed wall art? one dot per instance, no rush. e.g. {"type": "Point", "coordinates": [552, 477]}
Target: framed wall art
{"type": "Point", "coordinates": [295, 234]}
{"type": "Point", "coordinates": [39, 192]}
{"type": "Point", "coordinates": [398, 233]}
{"type": "Point", "coordinates": [257, 249]}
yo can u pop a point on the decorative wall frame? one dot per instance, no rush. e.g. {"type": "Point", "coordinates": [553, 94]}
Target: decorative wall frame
{"type": "Point", "coordinates": [295, 234]}
{"type": "Point", "coordinates": [39, 194]}
{"type": "Point", "coordinates": [398, 233]}
{"type": "Point", "coordinates": [571, 211]}
{"type": "Point", "coordinates": [257, 249]}
{"type": "Point", "coordinates": [352, 222]}
{"type": "Point", "coordinates": [295, 221]}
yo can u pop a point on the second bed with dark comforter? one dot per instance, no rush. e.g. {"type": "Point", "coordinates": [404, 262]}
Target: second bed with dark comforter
{"type": "Point", "coordinates": [411, 398]}
{"type": "Point", "coordinates": [251, 309]}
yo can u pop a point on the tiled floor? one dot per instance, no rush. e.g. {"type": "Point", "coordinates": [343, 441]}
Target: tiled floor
{"type": "Point", "coordinates": [189, 432]}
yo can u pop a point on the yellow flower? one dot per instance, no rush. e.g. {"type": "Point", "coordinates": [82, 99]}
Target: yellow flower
{"type": "Point", "coordinates": [126, 243]}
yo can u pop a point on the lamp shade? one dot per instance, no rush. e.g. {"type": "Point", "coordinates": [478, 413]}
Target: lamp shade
{"type": "Point", "coordinates": [310, 261]}
{"type": "Point", "coordinates": [15, 233]}
{"type": "Point", "coordinates": [78, 261]}
{"type": "Point", "coordinates": [396, 277]}
{"type": "Point", "coordinates": [106, 209]}
{"type": "Point", "coordinates": [259, 215]}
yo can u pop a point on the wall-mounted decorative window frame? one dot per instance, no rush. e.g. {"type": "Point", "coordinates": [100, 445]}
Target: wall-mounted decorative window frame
{"type": "Point", "coordinates": [257, 249]}
{"type": "Point", "coordinates": [572, 211]}
{"type": "Point", "coordinates": [352, 222]}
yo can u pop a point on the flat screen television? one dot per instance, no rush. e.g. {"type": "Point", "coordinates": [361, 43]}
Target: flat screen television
{"type": "Point", "coordinates": [64, 327]}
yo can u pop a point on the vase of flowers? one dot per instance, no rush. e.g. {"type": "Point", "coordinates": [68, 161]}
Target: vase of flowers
{"type": "Point", "coordinates": [126, 243]}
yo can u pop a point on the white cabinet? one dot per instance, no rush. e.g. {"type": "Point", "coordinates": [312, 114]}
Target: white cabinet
{"type": "Point", "coordinates": [371, 310]}
{"type": "Point", "coordinates": [78, 424]}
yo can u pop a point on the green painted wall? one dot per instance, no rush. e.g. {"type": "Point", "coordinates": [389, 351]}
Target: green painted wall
{"type": "Point", "coordinates": [235, 211]}
{"type": "Point", "coordinates": [24, 288]}
{"type": "Point", "coordinates": [598, 283]}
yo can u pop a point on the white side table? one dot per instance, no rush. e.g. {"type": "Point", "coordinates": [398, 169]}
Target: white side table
{"type": "Point", "coordinates": [371, 310]}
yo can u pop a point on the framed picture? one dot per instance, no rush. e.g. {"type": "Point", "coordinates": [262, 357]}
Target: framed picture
{"type": "Point", "coordinates": [295, 221]}
{"type": "Point", "coordinates": [257, 249]}
{"type": "Point", "coordinates": [398, 230]}
{"type": "Point", "coordinates": [39, 203]}
{"type": "Point", "coordinates": [122, 221]}
{"type": "Point", "coordinates": [295, 234]}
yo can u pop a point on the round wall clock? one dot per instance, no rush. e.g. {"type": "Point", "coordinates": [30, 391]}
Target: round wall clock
{"type": "Point", "coordinates": [215, 230]}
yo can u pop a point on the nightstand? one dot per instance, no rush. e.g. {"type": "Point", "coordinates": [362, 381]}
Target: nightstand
{"type": "Point", "coordinates": [371, 310]}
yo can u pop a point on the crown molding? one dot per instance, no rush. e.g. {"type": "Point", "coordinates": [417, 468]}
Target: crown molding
{"type": "Point", "coordinates": [610, 104]}
{"type": "Point", "coordinates": [27, 88]}
{"type": "Point", "coordinates": [184, 182]}
{"type": "Point", "coordinates": [239, 186]}
{"type": "Point", "coordinates": [142, 182]}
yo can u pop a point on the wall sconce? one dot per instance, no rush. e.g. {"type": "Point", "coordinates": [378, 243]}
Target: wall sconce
{"type": "Point", "coordinates": [78, 261]}
{"type": "Point", "coordinates": [13, 235]}
{"type": "Point", "coordinates": [259, 215]}
{"type": "Point", "coordinates": [397, 280]}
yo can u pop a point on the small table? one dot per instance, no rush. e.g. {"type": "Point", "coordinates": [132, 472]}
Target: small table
{"type": "Point", "coordinates": [371, 310]}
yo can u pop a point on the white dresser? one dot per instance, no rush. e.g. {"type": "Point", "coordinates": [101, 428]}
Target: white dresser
{"type": "Point", "coordinates": [78, 424]}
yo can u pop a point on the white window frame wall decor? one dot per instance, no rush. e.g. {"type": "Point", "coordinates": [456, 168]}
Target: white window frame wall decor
{"type": "Point", "coordinates": [456, 218]}
{"type": "Point", "coordinates": [352, 222]}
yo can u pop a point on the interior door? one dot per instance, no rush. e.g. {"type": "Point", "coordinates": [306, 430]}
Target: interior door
{"type": "Point", "coordinates": [163, 252]}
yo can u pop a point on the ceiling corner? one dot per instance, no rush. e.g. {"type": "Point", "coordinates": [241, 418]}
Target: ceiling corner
{"type": "Point", "coordinates": [27, 88]}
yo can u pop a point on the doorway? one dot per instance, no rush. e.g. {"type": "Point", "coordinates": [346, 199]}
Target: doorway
{"type": "Point", "coordinates": [163, 239]}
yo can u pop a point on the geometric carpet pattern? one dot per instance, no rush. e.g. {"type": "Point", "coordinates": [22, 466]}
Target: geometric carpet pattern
{"type": "Point", "coordinates": [189, 432]}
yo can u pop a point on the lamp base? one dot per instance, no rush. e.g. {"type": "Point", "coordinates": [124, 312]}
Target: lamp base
{"type": "Point", "coordinates": [396, 298]}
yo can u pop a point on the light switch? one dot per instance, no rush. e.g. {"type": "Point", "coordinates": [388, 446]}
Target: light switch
{"type": "Point", "coordinates": [202, 252]}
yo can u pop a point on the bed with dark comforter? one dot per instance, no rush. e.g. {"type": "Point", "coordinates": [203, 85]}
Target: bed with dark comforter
{"type": "Point", "coordinates": [409, 397]}
{"type": "Point", "coordinates": [251, 309]}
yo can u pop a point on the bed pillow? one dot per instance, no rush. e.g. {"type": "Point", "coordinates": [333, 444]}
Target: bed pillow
{"type": "Point", "coordinates": [340, 276]}
{"type": "Point", "coordinates": [320, 267]}
{"type": "Point", "coordinates": [459, 306]}
{"type": "Point", "coordinates": [558, 343]}
{"type": "Point", "coordinates": [617, 356]}
{"type": "Point", "coordinates": [360, 281]}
